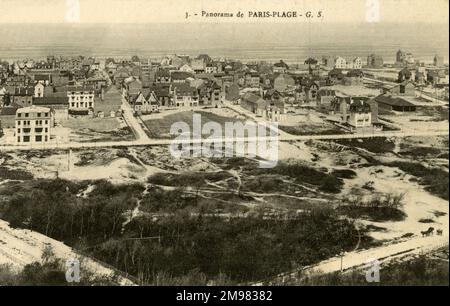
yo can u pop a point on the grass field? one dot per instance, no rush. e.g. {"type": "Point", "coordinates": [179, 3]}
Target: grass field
{"type": "Point", "coordinates": [95, 124]}
{"type": "Point", "coordinates": [160, 128]}
{"type": "Point", "coordinates": [97, 129]}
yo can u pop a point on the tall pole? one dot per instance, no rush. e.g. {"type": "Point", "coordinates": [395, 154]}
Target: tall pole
{"type": "Point", "coordinates": [69, 160]}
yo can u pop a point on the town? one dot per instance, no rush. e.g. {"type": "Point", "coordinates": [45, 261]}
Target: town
{"type": "Point", "coordinates": [68, 99]}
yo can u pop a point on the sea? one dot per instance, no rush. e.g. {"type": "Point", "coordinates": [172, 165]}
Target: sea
{"type": "Point", "coordinates": [270, 42]}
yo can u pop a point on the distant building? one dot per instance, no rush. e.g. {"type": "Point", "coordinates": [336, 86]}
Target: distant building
{"type": "Point", "coordinates": [356, 63]}
{"type": "Point", "coordinates": [33, 124]}
{"type": "Point", "coordinates": [438, 61]}
{"type": "Point", "coordinates": [59, 105]}
{"type": "Point", "coordinates": [23, 96]}
{"type": "Point", "coordinates": [405, 88]}
{"type": "Point", "coordinates": [254, 103]}
{"type": "Point", "coordinates": [340, 63]}
{"type": "Point", "coordinates": [374, 61]}
{"type": "Point", "coordinates": [111, 102]}
{"type": "Point", "coordinates": [404, 58]}
{"type": "Point", "coordinates": [39, 90]}
{"type": "Point", "coordinates": [282, 82]}
{"type": "Point", "coordinates": [404, 75]}
{"type": "Point", "coordinates": [162, 76]}
{"type": "Point", "coordinates": [325, 96]}
{"type": "Point", "coordinates": [394, 103]}
{"type": "Point", "coordinates": [280, 67]}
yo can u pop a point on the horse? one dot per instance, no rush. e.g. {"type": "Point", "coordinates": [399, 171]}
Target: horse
{"type": "Point", "coordinates": [439, 232]}
{"type": "Point", "coordinates": [428, 232]}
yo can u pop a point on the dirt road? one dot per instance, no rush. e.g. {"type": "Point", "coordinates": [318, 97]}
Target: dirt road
{"type": "Point", "coordinates": [360, 259]}
{"type": "Point", "coordinates": [19, 247]}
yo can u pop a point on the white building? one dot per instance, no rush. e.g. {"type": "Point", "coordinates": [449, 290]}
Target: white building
{"type": "Point", "coordinates": [356, 63]}
{"type": "Point", "coordinates": [33, 124]}
{"type": "Point", "coordinates": [39, 90]}
{"type": "Point", "coordinates": [81, 99]}
{"type": "Point", "coordinates": [340, 63]}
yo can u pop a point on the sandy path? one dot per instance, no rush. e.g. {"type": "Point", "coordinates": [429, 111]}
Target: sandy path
{"type": "Point", "coordinates": [19, 247]}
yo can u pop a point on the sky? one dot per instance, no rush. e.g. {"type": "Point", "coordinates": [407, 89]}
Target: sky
{"type": "Point", "coordinates": [161, 11]}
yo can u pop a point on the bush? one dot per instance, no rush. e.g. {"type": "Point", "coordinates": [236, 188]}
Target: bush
{"type": "Point", "coordinates": [14, 174]}
{"type": "Point", "coordinates": [378, 209]}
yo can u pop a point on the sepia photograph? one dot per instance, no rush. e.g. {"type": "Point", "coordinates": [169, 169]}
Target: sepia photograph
{"type": "Point", "coordinates": [234, 146]}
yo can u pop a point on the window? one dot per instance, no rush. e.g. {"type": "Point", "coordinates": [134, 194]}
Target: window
{"type": "Point", "coordinates": [18, 138]}
{"type": "Point", "coordinates": [26, 138]}
{"type": "Point", "coordinates": [19, 115]}
{"type": "Point", "coordinates": [38, 114]}
{"type": "Point", "coordinates": [46, 121]}
{"type": "Point", "coordinates": [26, 114]}
{"type": "Point", "coordinates": [46, 130]}
{"type": "Point", "coordinates": [18, 131]}
{"type": "Point", "coordinates": [18, 122]}
{"type": "Point", "coordinates": [38, 138]}
{"type": "Point", "coordinates": [46, 114]}
{"type": "Point", "coordinates": [38, 130]}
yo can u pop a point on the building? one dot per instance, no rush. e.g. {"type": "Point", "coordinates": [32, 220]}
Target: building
{"type": "Point", "coordinates": [33, 124]}
{"type": "Point", "coordinates": [253, 103]}
{"type": "Point", "coordinates": [146, 102]}
{"type": "Point", "coordinates": [356, 63]}
{"type": "Point", "coordinates": [325, 96]}
{"type": "Point", "coordinates": [340, 63]}
{"type": "Point", "coordinates": [438, 61]}
{"type": "Point", "coordinates": [356, 112]}
{"type": "Point", "coordinates": [232, 93]}
{"type": "Point", "coordinates": [186, 68]}
{"type": "Point", "coordinates": [81, 99]}
{"type": "Point", "coordinates": [185, 95]}
{"type": "Point", "coordinates": [405, 88]}
{"type": "Point", "coordinates": [110, 102]}
{"type": "Point", "coordinates": [392, 103]}
{"type": "Point", "coordinates": [283, 82]}
{"type": "Point", "coordinates": [23, 96]}
{"type": "Point", "coordinates": [59, 105]}
{"type": "Point", "coordinates": [180, 76]}
{"type": "Point", "coordinates": [8, 117]}
{"type": "Point", "coordinates": [252, 80]}
{"type": "Point", "coordinates": [210, 68]}
{"type": "Point", "coordinates": [280, 67]}
{"type": "Point", "coordinates": [354, 77]}
{"type": "Point", "coordinates": [162, 76]}
{"type": "Point", "coordinates": [404, 75]}
{"type": "Point", "coordinates": [374, 61]}
{"type": "Point", "coordinates": [404, 58]}
{"type": "Point", "coordinates": [198, 65]}
{"type": "Point", "coordinates": [39, 89]}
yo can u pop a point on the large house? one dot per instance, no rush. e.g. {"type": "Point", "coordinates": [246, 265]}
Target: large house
{"type": "Point", "coordinates": [356, 112]}
{"type": "Point", "coordinates": [185, 95]}
{"type": "Point", "coordinates": [33, 125]}
{"type": "Point", "coordinates": [254, 103]}
{"type": "Point", "coordinates": [146, 102]}
{"type": "Point", "coordinates": [81, 99]}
